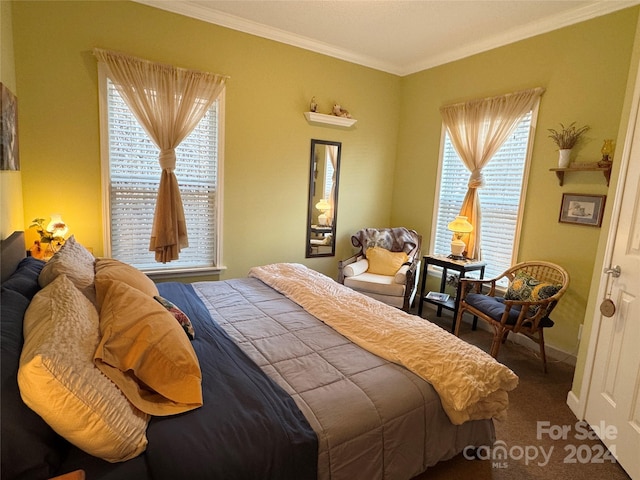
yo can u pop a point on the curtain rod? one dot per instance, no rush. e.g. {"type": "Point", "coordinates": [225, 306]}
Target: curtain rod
{"type": "Point", "coordinates": [97, 51]}
{"type": "Point", "coordinates": [537, 90]}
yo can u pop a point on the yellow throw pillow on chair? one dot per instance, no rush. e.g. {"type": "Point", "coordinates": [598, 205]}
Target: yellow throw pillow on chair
{"type": "Point", "coordinates": [385, 262]}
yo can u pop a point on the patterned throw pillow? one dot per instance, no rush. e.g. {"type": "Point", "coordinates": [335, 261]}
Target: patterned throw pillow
{"type": "Point", "coordinates": [527, 288]}
{"type": "Point", "coordinates": [179, 315]}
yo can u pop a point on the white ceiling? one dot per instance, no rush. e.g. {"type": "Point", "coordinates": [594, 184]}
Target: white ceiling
{"type": "Point", "coordinates": [395, 36]}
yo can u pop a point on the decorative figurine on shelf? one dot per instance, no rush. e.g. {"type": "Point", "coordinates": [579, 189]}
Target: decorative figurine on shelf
{"type": "Point", "coordinates": [607, 154]}
{"type": "Point", "coordinates": [338, 111]}
{"type": "Point", "coordinates": [313, 106]}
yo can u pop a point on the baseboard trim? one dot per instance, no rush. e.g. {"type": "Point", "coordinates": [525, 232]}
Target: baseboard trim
{"type": "Point", "coordinates": [574, 405]}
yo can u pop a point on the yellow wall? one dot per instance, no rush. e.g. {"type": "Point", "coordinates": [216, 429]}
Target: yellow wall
{"type": "Point", "coordinates": [11, 211]}
{"type": "Point", "coordinates": [594, 297]}
{"type": "Point", "coordinates": [584, 70]}
{"type": "Point", "coordinates": [267, 141]}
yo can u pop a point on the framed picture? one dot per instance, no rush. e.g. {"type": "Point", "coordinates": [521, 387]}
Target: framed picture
{"type": "Point", "coordinates": [9, 157]}
{"type": "Point", "coordinates": [582, 209]}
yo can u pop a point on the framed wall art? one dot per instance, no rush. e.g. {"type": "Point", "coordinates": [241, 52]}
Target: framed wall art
{"type": "Point", "coordinates": [9, 155]}
{"type": "Point", "coordinates": [583, 209]}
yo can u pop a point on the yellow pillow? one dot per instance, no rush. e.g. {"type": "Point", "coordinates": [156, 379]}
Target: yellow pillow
{"type": "Point", "coordinates": [145, 352]}
{"type": "Point", "coordinates": [59, 381]}
{"type": "Point", "coordinates": [112, 269]}
{"type": "Point", "coordinates": [385, 262]}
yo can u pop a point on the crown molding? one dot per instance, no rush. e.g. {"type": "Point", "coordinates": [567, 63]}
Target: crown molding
{"type": "Point", "coordinates": [201, 12]}
{"type": "Point", "coordinates": [526, 31]}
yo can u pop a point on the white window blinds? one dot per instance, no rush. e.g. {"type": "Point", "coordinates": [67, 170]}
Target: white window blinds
{"type": "Point", "coordinates": [134, 175]}
{"type": "Point", "coordinates": [499, 198]}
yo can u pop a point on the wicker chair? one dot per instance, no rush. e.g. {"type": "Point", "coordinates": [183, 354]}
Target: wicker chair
{"type": "Point", "coordinates": [534, 290]}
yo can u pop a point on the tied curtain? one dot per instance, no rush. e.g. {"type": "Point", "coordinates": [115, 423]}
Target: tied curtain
{"type": "Point", "coordinates": [169, 102]}
{"type": "Point", "coordinates": [477, 130]}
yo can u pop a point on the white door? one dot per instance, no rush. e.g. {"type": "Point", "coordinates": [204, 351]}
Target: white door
{"type": "Point", "coordinates": [613, 402]}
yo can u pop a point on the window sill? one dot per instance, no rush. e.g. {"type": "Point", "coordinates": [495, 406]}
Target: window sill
{"type": "Point", "coordinates": [167, 274]}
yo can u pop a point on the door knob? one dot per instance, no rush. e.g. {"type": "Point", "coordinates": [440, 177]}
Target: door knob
{"type": "Point", "coordinates": [614, 272]}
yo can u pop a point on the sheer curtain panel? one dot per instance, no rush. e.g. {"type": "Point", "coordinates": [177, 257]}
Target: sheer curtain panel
{"type": "Point", "coordinates": [477, 130]}
{"type": "Point", "coordinates": [168, 102]}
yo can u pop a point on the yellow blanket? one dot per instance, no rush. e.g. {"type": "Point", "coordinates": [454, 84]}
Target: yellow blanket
{"type": "Point", "coordinates": [472, 385]}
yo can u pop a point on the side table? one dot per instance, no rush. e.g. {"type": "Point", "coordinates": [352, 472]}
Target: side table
{"type": "Point", "coordinates": [460, 266]}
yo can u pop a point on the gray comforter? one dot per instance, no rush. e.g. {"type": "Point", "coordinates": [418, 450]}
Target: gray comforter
{"type": "Point", "coordinates": [374, 419]}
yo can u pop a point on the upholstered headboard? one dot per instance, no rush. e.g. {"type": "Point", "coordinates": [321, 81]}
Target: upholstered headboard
{"type": "Point", "coordinates": [12, 250]}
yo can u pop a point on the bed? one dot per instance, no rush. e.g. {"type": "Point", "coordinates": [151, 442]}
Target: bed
{"type": "Point", "coordinates": [280, 387]}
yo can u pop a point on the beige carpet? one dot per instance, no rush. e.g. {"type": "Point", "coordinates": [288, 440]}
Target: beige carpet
{"type": "Point", "coordinates": [538, 398]}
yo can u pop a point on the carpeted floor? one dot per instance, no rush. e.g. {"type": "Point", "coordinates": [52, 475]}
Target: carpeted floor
{"type": "Point", "coordinates": [537, 407]}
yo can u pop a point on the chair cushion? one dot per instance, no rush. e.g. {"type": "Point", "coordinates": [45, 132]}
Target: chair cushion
{"type": "Point", "coordinates": [397, 302]}
{"type": "Point", "coordinates": [385, 262]}
{"type": "Point", "coordinates": [527, 288]}
{"type": "Point", "coordinates": [492, 307]}
{"type": "Point", "coordinates": [374, 283]}
{"type": "Point", "coordinates": [401, 275]}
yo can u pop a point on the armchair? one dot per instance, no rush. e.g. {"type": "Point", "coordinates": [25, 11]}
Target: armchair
{"type": "Point", "coordinates": [533, 292]}
{"type": "Point", "coordinates": [386, 266]}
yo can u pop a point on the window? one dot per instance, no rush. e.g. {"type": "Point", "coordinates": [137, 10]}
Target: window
{"type": "Point", "coordinates": [131, 175]}
{"type": "Point", "coordinates": [328, 175]}
{"type": "Point", "coordinates": [500, 198]}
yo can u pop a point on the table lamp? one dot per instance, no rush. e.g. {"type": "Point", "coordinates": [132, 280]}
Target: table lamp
{"type": "Point", "coordinates": [323, 206]}
{"type": "Point", "coordinates": [459, 227]}
{"type": "Point", "coordinates": [57, 230]}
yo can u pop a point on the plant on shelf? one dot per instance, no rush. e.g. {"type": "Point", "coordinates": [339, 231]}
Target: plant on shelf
{"type": "Point", "coordinates": [566, 138]}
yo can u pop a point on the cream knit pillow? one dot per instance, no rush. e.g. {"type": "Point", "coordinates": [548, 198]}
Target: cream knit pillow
{"type": "Point", "coordinates": [74, 261]}
{"type": "Point", "coordinates": [59, 381]}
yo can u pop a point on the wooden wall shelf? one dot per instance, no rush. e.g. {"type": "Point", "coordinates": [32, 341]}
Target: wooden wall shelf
{"type": "Point", "coordinates": [321, 118]}
{"type": "Point", "coordinates": [582, 167]}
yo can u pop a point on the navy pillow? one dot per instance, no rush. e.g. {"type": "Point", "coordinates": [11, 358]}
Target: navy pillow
{"type": "Point", "coordinates": [25, 279]}
{"type": "Point", "coordinates": [30, 448]}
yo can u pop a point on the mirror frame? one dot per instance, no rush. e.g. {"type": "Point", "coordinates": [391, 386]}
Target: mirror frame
{"type": "Point", "coordinates": [311, 205]}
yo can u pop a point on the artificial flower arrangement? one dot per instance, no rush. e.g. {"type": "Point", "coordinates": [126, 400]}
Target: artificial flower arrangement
{"type": "Point", "coordinates": [568, 136]}
{"type": "Point", "coordinates": [51, 234]}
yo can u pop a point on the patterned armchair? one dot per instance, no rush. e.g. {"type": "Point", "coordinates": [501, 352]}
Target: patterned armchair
{"type": "Point", "coordinates": [386, 267]}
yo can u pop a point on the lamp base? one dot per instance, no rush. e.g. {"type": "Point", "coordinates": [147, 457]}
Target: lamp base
{"type": "Point", "coordinates": [457, 257]}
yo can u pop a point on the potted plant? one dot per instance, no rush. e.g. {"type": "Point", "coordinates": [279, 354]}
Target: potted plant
{"type": "Point", "coordinates": [566, 138]}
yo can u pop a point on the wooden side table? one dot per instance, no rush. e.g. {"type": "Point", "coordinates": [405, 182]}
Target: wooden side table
{"type": "Point", "coordinates": [460, 266]}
